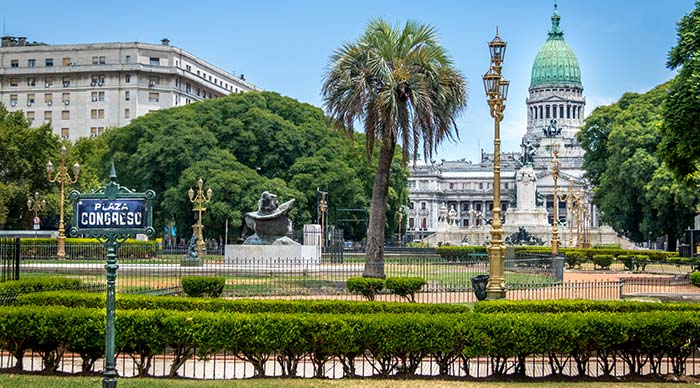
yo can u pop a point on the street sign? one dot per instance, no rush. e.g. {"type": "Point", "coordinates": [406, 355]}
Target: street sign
{"type": "Point", "coordinates": [37, 221]}
{"type": "Point", "coordinates": [112, 214]}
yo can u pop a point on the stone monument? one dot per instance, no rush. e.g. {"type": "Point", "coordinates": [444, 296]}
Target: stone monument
{"type": "Point", "coordinates": [269, 249]}
{"type": "Point", "coordinates": [526, 213]}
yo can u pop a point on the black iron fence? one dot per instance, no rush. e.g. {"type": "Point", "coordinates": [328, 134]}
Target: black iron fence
{"type": "Point", "coordinates": [9, 259]}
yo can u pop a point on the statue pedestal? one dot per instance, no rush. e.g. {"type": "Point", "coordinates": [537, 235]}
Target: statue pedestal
{"type": "Point", "coordinates": [527, 217]}
{"type": "Point", "coordinates": [273, 258]}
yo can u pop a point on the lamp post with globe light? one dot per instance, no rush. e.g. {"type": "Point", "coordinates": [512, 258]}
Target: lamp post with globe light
{"type": "Point", "coordinates": [62, 177]}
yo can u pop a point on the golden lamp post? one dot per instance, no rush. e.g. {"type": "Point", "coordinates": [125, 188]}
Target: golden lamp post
{"type": "Point", "coordinates": [497, 92]}
{"type": "Point", "coordinates": [36, 206]}
{"type": "Point", "coordinates": [578, 208]}
{"type": "Point", "coordinates": [570, 209]}
{"type": "Point", "coordinates": [323, 207]}
{"type": "Point", "coordinates": [556, 165]}
{"type": "Point", "coordinates": [198, 200]}
{"type": "Point", "coordinates": [63, 177]}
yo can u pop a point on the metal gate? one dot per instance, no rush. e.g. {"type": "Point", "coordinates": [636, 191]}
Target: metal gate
{"type": "Point", "coordinates": [9, 259]}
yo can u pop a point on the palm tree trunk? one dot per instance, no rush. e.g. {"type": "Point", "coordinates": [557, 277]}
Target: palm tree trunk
{"type": "Point", "coordinates": [374, 267]}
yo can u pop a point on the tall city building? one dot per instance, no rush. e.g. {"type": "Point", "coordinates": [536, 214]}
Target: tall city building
{"type": "Point", "coordinates": [555, 112]}
{"type": "Point", "coordinates": [82, 89]}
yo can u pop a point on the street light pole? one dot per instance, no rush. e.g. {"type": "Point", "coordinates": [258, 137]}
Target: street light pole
{"type": "Point", "coordinates": [570, 209]}
{"type": "Point", "coordinates": [199, 200]}
{"type": "Point", "coordinates": [62, 177]}
{"type": "Point", "coordinates": [497, 92]}
{"type": "Point", "coordinates": [556, 164]}
{"type": "Point", "coordinates": [323, 206]}
{"type": "Point", "coordinates": [36, 206]}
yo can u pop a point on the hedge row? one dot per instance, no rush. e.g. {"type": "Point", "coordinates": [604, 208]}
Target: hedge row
{"type": "Point", "coordinates": [578, 306]}
{"type": "Point", "coordinates": [392, 344]}
{"type": "Point", "coordinates": [11, 289]}
{"type": "Point", "coordinates": [135, 302]}
{"type": "Point", "coordinates": [76, 248]}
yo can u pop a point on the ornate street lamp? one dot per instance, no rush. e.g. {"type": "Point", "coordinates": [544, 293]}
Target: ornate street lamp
{"type": "Point", "coordinates": [36, 206]}
{"type": "Point", "coordinates": [198, 200]}
{"type": "Point", "coordinates": [556, 165]}
{"type": "Point", "coordinates": [496, 88]}
{"type": "Point", "coordinates": [570, 209]}
{"type": "Point", "coordinates": [579, 209]}
{"type": "Point", "coordinates": [323, 207]}
{"type": "Point", "coordinates": [62, 177]}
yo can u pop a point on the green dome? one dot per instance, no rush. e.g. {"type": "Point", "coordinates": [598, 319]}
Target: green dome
{"type": "Point", "coordinates": [556, 63]}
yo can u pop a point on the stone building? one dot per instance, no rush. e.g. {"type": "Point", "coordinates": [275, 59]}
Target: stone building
{"type": "Point", "coordinates": [555, 112]}
{"type": "Point", "coordinates": [82, 89]}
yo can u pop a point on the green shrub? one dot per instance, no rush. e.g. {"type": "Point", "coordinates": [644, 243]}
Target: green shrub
{"type": "Point", "coordinates": [695, 279]}
{"type": "Point", "coordinates": [9, 290]}
{"type": "Point", "coordinates": [578, 306]}
{"type": "Point", "coordinates": [405, 287]}
{"type": "Point", "coordinates": [603, 261]}
{"type": "Point", "coordinates": [367, 287]}
{"type": "Point", "coordinates": [629, 261]}
{"type": "Point", "coordinates": [461, 254]}
{"type": "Point", "coordinates": [198, 286]}
{"type": "Point", "coordinates": [90, 248]}
{"type": "Point", "coordinates": [149, 302]}
{"type": "Point", "coordinates": [642, 261]}
{"type": "Point", "coordinates": [575, 259]}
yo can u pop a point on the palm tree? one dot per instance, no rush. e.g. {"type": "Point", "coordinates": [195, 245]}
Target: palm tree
{"type": "Point", "coordinates": [401, 84]}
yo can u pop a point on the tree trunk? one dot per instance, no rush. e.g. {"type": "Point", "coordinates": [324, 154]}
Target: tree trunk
{"type": "Point", "coordinates": [374, 267]}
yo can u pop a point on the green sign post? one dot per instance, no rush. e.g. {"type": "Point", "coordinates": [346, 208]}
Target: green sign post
{"type": "Point", "coordinates": [112, 214]}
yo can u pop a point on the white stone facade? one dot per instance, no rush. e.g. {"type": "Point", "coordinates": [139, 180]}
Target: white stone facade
{"type": "Point", "coordinates": [83, 89]}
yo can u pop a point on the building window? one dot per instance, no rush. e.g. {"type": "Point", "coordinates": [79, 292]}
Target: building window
{"type": "Point", "coordinates": [48, 99]}
{"type": "Point", "coordinates": [97, 114]}
{"type": "Point", "coordinates": [66, 82]}
{"type": "Point", "coordinates": [49, 62]}
{"type": "Point", "coordinates": [188, 87]}
{"type": "Point", "coordinates": [93, 131]}
{"type": "Point", "coordinates": [13, 100]}
{"type": "Point", "coordinates": [30, 115]}
{"type": "Point", "coordinates": [100, 96]}
{"type": "Point", "coordinates": [48, 82]}
{"type": "Point", "coordinates": [127, 78]}
{"type": "Point", "coordinates": [197, 92]}
{"type": "Point", "coordinates": [65, 133]}
{"type": "Point", "coordinates": [197, 73]}
{"type": "Point", "coordinates": [423, 205]}
{"type": "Point", "coordinates": [31, 81]}
{"type": "Point", "coordinates": [30, 99]}
{"type": "Point", "coordinates": [153, 80]}
{"type": "Point", "coordinates": [102, 60]}
{"type": "Point", "coordinates": [154, 61]}
{"type": "Point", "coordinates": [127, 96]}
{"type": "Point", "coordinates": [14, 63]}
{"type": "Point", "coordinates": [126, 113]}
{"type": "Point", "coordinates": [153, 97]}
{"type": "Point", "coordinates": [48, 115]}
{"type": "Point", "coordinates": [65, 115]}
{"type": "Point", "coordinates": [14, 81]}
{"type": "Point", "coordinates": [65, 98]}
{"type": "Point", "coordinates": [67, 62]}
{"type": "Point", "coordinates": [98, 80]}
{"type": "Point", "coordinates": [31, 62]}
{"type": "Point", "coordinates": [128, 59]}
{"type": "Point", "coordinates": [547, 111]}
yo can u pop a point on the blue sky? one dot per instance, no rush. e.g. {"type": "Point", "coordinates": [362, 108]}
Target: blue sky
{"type": "Point", "coordinates": [284, 46]}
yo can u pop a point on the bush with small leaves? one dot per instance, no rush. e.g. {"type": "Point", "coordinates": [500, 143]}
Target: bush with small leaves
{"type": "Point", "coordinates": [603, 261]}
{"type": "Point", "coordinates": [198, 286]}
{"type": "Point", "coordinates": [695, 279]}
{"type": "Point", "coordinates": [405, 287]}
{"type": "Point", "coordinates": [367, 287]}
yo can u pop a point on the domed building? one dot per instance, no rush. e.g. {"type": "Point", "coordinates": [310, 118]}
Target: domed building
{"type": "Point", "coordinates": [464, 190]}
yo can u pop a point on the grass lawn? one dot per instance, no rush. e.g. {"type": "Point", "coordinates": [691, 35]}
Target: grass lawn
{"type": "Point", "coordinates": [12, 380]}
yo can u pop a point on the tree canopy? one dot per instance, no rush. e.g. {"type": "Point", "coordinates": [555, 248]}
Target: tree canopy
{"type": "Point", "coordinates": [241, 145]}
{"type": "Point", "coordinates": [680, 147]}
{"type": "Point", "coordinates": [635, 191]}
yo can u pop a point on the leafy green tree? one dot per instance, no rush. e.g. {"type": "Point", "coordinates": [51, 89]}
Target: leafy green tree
{"type": "Point", "coordinates": [240, 145]}
{"type": "Point", "coordinates": [402, 85]}
{"type": "Point", "coordinates": [680, 146]}
{"type": "Point", "coordinates": [635, 191]}
{"type": "Point", "coordinates": [24, 152]}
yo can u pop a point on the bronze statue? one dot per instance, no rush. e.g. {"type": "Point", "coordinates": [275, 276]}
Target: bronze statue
{"type": "Point", "coordinates": [270, 222]}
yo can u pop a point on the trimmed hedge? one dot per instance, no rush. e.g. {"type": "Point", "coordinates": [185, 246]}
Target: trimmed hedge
{"type": "Point", "coordinates": [392, 344]}
{"type": "Point", "coordinates": [578, 306]}
{"type": "Point", "coordinates": [147, 302]}
{"type": "Point", "coordinates": [198, 286]}
{"type": "Point", "coordinates": [405, 287]}
{"type": "Point", "coordinates": [695, 279]}
{"type": "Point", "coordinates": [78, 248]}
{"type": "Point", "coordinates": [367, 287]}
{"type": "Point", "coordinates": [11, 289]}
{"type": "Point", "coordinates": [603, 261]}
